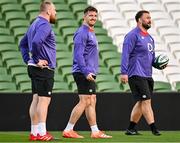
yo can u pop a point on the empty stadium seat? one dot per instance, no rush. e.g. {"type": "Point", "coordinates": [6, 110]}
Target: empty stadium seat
{"type": "Point", "coordinates": [162, 86]}
{"type": "Point", "coordinates": [73, 87]}
{"type": "Point", "coordinates": [171, 7]}
{"type": "Point", "coordinates": [59, 1]}
{"type": "Point", "coordinates": [178, 86]}
{"type": "Point", "coordinates": [72, 2]}
{"type": "Point", "coordinates": [7, 55]}
{"type": "Point", "coordinates": [33, 7]}
{"type": "Point", "coordinates": [67, 62]}
{"type": "Point", "coordinates": [109, 55]}
{"type": "Point", "coordinates": [103, 70]}
{"type": "Point", "coordinates": [25, 87]}
{"type": "Point", "coordinates": [60, 87]}
{"type": "Point", "coordinates": [108, 87]}
{"type": "Point", "coordinates": [113, 62]}
{"type": "Point", "coordinates": [177, 55]}
{"type": "Point", "coordinates": [103, 16]}
{"type": "Point", "coordinates": [25, 2]}
{"type": "Point", "coordinates": [69, 31]}
{"type": "Point", "coordinates": [63, 15]}
{"type": "Point", "coordinates": [104, 78]}
{"type": "Point", "coordinates": [21, 78]}
{"type": "Point", "coordinates": [174, 47]}
{"type": "Point", "coordinates": [18, 70]}
{"type": "Point", "coordinates": [32, 16]}
{"type": "Point", "coordinates": [18, 23]}
{"type": "Point", "coordinates": [2, 2]}
{"type": "Point", "coordinates": [62, 7]}
{"type": "Point", "coordinates": [67, 23]}
{"type": "Point", "coordinates": [2, 23]}
{"type": "Point", "coordinates": [76, 8]}
{"type": "Point", "coordinates": [4, 31]}
{"type": "Point", "coordinates": [8, 87]}
{"type": "Point", "coordinates": [127, 7]}
{"type": "Point", "coordinates": [5, 39]}
{"type": "Point", "coordinates": [106, 47]}
{"type": "Point", "coordinates": [65, 71]}
{"type": "Point", "coordinates": [3, 70]}
{"type": "Point", "coordinates": [10, 7]}
{"type": "Point", "coordinates": [174, 78]}
{"type": "Point", "coordinates": [11, 15]}
{"type": "Point", "coordinates": [5, 78]}
{"type": "Point", "coordinates": [63, 55]}
{"type": "Point", "coordinates": [61, 47]}
{"type": "Point", "coordinates": [14, 63]}
{"type": "Point", "coordinates": [94, 2]}
{"type": "Point", "coordinates": [69, 79]}
{"type": "Point", "coordinates": [102, 39]}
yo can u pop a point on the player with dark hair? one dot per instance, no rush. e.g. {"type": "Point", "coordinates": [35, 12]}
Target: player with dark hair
{"type": "Point", "coordinates": [85, 68]}
{"type": "Point", "coordinates": [136, 68]}
{"type": "Point", "coordinates": [38, 50]}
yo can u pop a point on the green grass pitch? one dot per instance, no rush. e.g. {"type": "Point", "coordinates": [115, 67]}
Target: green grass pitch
{"type": "Point", "coordinates": [118, 137]}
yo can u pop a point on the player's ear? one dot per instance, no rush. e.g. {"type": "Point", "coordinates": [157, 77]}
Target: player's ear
{"type": "Point", "coordinates": [48, 12]}
{"type": "Point", "coordinates": [140, 20]}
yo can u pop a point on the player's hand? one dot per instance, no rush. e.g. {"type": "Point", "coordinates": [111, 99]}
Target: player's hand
{"type": "Point", "coordinates": [42, 64]}
{"type": "Point", "coordinates": [124, 79]}
{"type": "Point", "coordinates": [90, 77]}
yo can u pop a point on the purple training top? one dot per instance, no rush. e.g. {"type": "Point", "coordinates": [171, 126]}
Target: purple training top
{"type": "Point", "coordinates": [85, 58]}
{"type": "Point", "coordinates": [39, 43]}
{"type": "Point", "coordinates": [138, 54]}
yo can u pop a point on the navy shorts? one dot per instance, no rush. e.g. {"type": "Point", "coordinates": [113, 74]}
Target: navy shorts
{"type": "Point", "coordinates": [141, 87]}
{"type": "Point", "coordinates": [42, 80]}
{"type": "Point", "coordinates": [83, 85]}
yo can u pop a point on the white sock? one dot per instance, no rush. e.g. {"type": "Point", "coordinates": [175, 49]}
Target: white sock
{"type": "Point", "coordinates": [94, 128]}
{"type": "Point", "coordinates": [69, 127]}
{"type": "Point", "coordinates": [34, 129]}
{"type": "Point", "coordinates": [42, 128]}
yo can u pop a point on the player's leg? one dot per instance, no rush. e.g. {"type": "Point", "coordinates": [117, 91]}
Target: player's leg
{"type": "Point", "coordinates": [75, 115]}
{"type": "Point", "coordinates": [147, 108]}
{"type": "Point", "coordinates": [44, 85]}
{"type": "Point", "coordinates": [33, 107]}
{"type": "Point", "coordinates": [90, 112]}
{"type": "Point", "coordinates": [42, 110]}
{"type": "Point", "coordinates": [147, 111]}
{"type": "Point", "coordinates": [136, 112]}
{"type": "Point", "coordinates": [33, 115]}
{"type": "Point", "coordinates": [34, 118]}
{"type": "Point", "coordinates": [90, 109]}
{"type": "Point", "coordinates": [78, 110]}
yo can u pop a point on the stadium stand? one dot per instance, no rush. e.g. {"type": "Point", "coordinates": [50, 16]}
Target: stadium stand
{"type": "Point", "coordinates": [116, 18]}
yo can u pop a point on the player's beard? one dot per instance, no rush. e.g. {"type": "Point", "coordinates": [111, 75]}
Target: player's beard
{"type": "Point", "coordinates": [91, 25]}
{"type": "Point", "coordinates": [146, 26]}
{"type": "Point", "coordinates": [53, 19]}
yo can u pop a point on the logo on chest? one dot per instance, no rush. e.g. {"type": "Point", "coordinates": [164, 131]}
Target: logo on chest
{"type": "Point", "coordinates": [150, 47]}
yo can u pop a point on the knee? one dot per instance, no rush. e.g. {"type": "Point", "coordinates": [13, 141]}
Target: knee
{"type": "Point", "coordinates": [84, 102]}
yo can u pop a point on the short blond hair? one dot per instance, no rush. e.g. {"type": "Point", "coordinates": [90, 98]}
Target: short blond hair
{"type": "Point", "coordinates": [44, 5]}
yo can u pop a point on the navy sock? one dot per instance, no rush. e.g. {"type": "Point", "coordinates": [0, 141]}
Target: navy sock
{"type": "Point", "coordinates": [132, 125]}
{"type": "Point", "coordinates": [152, 126]}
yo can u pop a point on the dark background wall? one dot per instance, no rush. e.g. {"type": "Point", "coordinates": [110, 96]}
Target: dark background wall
{"type": "Point", "coordinates": [113, 111]}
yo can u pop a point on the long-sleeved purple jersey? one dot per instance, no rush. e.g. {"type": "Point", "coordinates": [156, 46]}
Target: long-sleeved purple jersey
{"type": "Point", "coordinates": [138, 54]}
{"type": "Point", "coordinates": [85, 58]}
{"type": "Point", "coordinates": [39, 43]}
